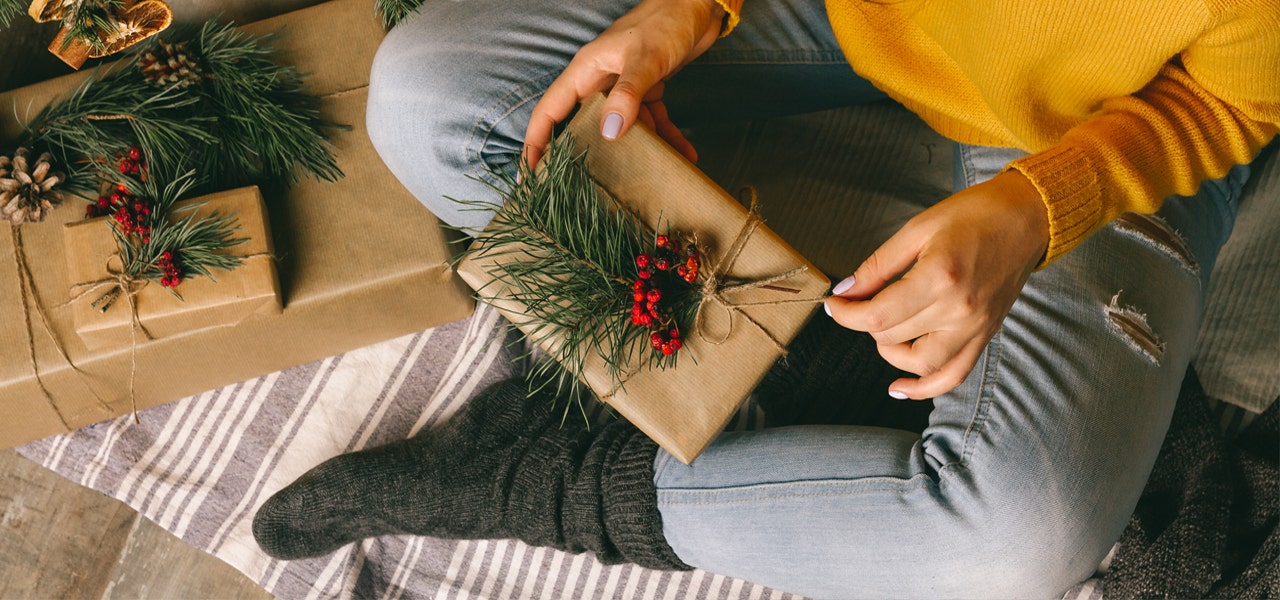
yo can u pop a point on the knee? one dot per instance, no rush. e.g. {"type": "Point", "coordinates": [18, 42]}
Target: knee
{"type": "Point", "coordinates": [425, 117]}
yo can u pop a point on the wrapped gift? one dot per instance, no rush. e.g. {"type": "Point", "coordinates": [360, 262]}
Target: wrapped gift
{"type": "Point", "coordinates": [360, 261]}
{"type": "Point", "coordinates": [738, 335]}
{"type": "Point", "coordinates": [103, 319]}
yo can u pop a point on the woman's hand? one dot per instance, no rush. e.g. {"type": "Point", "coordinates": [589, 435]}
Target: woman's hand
{"type": "Point", "coordinates": [630, 60]}
{"type": "Point", "coordinates": [965, 262]}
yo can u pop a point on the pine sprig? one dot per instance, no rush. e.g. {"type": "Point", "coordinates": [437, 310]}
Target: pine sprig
{"type": "Point", "coordinates": [91, 21]}
{"type": "Point", "coordinates": [102, 115]}
{"type": "Point", "coordinates": [9, 9]}
{"type": "Point", "coordinates": [574, 270]}
{"type": "Point", "coordinates": [199, 241]}
{"type": "Point", "coordinates": [270, 128]}
{"type": "Point", "coordinates": [394, 11]}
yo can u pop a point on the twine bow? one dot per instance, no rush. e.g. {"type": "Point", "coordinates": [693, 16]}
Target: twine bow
{"type": "Point", "coordinates": [717, 283]}
{"type": "Point", "coordinates": [122, 284]}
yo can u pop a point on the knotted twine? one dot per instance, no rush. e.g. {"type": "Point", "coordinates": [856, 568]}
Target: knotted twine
{"type": "Point", "coordinates": [717, 283]}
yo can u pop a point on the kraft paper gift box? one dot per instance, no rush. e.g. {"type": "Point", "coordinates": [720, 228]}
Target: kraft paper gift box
{"type": "Point", "coordinates": [681, 408]}
{"type": "Point", "coordinates": [104, 318]}
{"type": "Point", "coordinates": [360, 261]}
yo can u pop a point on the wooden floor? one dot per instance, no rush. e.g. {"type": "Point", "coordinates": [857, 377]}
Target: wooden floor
{"type": "Point", "coordinates": [61, 540]}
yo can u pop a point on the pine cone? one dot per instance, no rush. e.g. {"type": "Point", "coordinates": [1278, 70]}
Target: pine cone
{"type": "Point", "coordinates": [168, 64]}
{"type": "Point", "coordinates": [26, 192]}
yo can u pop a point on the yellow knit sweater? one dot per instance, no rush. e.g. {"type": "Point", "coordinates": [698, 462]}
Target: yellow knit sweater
{"type": "Point", "coordinates": [1121, 102]}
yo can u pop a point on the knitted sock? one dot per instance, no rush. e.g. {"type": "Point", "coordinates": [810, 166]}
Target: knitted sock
{"type": "Point", "coordinates": [503, 467]}
{"type": "Point", "coordinates": [835, 376]}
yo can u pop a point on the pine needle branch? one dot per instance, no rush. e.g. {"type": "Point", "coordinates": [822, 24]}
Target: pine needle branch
{"type": "Point", "coordinates": [394, 11]}
{"type": "Point", "coordinates": [569, 259]}
{"type": "Point", "coordinates": [9, 9]}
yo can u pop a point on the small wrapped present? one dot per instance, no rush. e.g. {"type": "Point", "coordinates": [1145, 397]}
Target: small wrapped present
{"type": "Point", "coordinates": [753, 292]}
{"type": "Point", "coordinates": [104, 317]}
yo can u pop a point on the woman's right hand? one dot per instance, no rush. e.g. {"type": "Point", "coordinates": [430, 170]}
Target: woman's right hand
{"type": "Point", "coordinates": [630, 62]}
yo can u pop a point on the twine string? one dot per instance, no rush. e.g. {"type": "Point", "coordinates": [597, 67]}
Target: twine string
{"type": "Point", "coordinates": [717, 284]}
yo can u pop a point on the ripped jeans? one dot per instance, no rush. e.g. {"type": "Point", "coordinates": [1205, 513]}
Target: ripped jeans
{"type": "Point", "coordinates": [1027, 472]}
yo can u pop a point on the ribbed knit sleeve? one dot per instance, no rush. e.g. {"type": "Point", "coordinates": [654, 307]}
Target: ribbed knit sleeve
{"type": "Point", "coordinates": [1209, 110]}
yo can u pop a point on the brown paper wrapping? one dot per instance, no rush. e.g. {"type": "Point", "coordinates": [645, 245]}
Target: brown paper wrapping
{"type": "Point", "coordinates": [360, 261]}
{"type": "Point", "coordinates": [683, 409]}
{"type": "Point", "coordinates": [252, 287]}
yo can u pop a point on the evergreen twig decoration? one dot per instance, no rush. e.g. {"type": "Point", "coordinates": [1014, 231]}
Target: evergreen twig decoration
{"type": "Point", "coordinates": [10, 9]}
{"type": "Point", "coordinates": [576, 272]}
{"type": "Point", "coordinates": [393, 11]}
{"type": "Point", "coordinates": [247, 121]}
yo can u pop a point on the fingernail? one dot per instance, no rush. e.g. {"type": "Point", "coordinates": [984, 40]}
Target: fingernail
{"type": "Point", "coordinates": [827, 308]}
{"type": "Point", "coordinates": [843, 286]}
{"type": "Point", "coordinates": [896, 395]}
{"type": "Point", "coordinates": [612, 125]}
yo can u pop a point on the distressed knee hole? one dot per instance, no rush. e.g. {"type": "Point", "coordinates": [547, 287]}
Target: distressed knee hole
{"type": "Point", "coordinates": [1154, 231]}
{"type": "Point", "coordinates": [1133, 327]}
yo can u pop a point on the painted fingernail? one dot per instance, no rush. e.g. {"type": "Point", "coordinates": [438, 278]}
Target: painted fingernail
{"type": "Point", "coordinates": [826, 307]}
{"type": "Point", "coordinates": [843, 286]}
{"type": "Point", "coordinates": [612, 125]}
{"type": "Point", "coordinates": [896, 395]}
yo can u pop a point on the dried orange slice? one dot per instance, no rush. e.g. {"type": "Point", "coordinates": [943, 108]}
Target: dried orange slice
{"type": "Point", "coordinates": [44, 11]}
{"type": "Point", "coordinates": [138, 22]}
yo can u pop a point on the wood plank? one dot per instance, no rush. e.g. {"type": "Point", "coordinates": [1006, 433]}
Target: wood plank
{"type": "Point", "coordinates": [155, 564]}
{"type": "Point", "coordinates": [57, 539]}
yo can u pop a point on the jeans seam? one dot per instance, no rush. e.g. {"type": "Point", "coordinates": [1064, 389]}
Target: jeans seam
{"type": "Point", "coordinates": [501, 109]}
{"type": "Point", "coordinates": [966, 165]}
{"type": "Point", "coordinates": [992, 359]}
{"type": "Point", "coordinates": [915, 482]}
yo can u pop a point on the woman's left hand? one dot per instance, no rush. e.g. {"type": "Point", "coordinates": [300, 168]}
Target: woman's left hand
{"type": "Point", "coordinates": [962, 263]}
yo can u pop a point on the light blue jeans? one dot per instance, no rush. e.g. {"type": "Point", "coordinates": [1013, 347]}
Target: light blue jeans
{"type": "Point", "coordinates": [1027, 472]}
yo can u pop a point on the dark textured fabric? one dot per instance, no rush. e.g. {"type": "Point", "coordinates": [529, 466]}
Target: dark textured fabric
{"type": "Point", "coordinates": [835, 376]}
{"type": "Point", "coordinates": [503, 467]}
{"type": "Point", "coordinates": [1207, 523]}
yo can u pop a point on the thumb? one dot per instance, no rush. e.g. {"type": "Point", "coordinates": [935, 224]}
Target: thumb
{"type": "Point", "coordinates": [886, 263]}
{"type": "Point", "coordinates": [622, 105]}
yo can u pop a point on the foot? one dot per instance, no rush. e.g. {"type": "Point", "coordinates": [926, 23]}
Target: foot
{"type": "Point", "coordinates": [457, 481]}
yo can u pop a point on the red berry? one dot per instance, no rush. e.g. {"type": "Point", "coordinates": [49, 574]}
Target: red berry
{"type": "Point", "coordinates": [639, 285]}
{"type": "Point", "coordinates": [645, 274]}
{"type": "Point", "coordinates": [674, 333]}
{"type": "Point", "coordinates": [674, 247]}
{"type": "Point", "coordinates": [122, 188]}
{"type": "Point", "coordinates": [675, 344]}
{"type": "Point", "coordinates": [662, 241]}
{"type": "Point", "coordinates": [656, 340]}
{"type": "Point", "coordinates": [654, 295]}
{"type": "Point", "coordinates": [135, 153]}
{"type": "Point", "coordinates": [681, 271]}
{"type": "Point", "coordinates": [638, 297]}
{"type": "Point", "coordinates": [662, 264]}
{"type": "Point", "coordinates": [646, 320]}
{"type": "Point", "coordinates": [667, 350]}
{"type": "Point", "coordinates": [642, 261]}
{"type": "Point", "coordinates": [691, 276]}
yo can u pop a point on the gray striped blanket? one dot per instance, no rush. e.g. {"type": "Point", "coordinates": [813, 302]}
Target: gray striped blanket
{"type": "Point", "coordinates": [201, 466]}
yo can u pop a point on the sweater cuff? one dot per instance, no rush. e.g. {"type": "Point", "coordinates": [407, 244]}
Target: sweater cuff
{"type": "Point", "coordinates": [1068, 183]}
{"type": "Point", "coordinates": [732, 14]}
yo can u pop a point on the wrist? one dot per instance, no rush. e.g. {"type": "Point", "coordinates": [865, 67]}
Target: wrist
{"type": "Point", "coordinates": [1029, 204]}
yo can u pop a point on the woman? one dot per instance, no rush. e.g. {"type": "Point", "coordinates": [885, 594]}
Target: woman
{"type": "Point", "coordinates": [1052, 339]}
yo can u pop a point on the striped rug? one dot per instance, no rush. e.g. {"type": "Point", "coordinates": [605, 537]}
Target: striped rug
{"type": "Point", "coordinates": [200, 467]}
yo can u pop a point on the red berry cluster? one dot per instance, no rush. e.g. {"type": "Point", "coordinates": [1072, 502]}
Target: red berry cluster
{"type": "Point", "coordinates": [131, 163]}
{"type": "Point", "coordinates": [647, 310]}
{"type": "Point", "coordinates": [130, 212]}
{"type": "Point", "coordinates": [172, 274]}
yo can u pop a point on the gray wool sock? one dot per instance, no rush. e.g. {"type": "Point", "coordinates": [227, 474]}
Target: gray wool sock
{"type": "Point", "coordinates": [503, 467]}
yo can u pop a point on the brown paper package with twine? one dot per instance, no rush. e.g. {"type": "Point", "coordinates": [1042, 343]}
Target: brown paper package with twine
{"type": "Point", "coordinates": [763, 294]}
